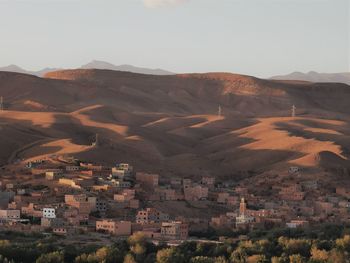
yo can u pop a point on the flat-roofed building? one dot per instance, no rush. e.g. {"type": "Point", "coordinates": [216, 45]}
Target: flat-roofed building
{"type": "Point", "coordinates": [53, 174]}
{"type": "Point", "coordinates": [49, 212]}
{"type": "Point", "coordinates": [196, 193]}
{"type": "Point", "coordinates": [174, 230]}
{"type": "Point", "coordinates": [117, 228]}
{"type": "Point", "coordinates": [148, 180]}
{"type": "Point", "coordinates": [9, 214]}
{"type": "Point", "coordinates": [151, 216]}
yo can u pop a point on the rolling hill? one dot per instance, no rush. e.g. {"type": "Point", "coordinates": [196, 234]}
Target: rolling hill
{"type": "Point", "coordinates": [169, 124]}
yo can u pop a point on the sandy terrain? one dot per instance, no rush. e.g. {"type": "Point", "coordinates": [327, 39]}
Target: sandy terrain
{"type": "Point", "coordinates": [169, 124]}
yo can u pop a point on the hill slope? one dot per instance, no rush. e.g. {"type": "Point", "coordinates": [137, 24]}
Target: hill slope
{"type": "Point", "coordinates": [169, 124]}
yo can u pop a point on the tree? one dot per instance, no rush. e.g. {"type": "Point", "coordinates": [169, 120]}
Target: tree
{"type": "Point", "coordinates": [86, 258]}
{"type": "Point", "coordinates": [169, 255]}
{"type": "Point", "coordinates": [319, 255]}
{"type": "Point", "coordinates": [220, 260]}
{"type": "Point", "coordinates": [137, 238]}
{"type": "Point", "coordinates": [337, 256]}
{"type": "Point", "coordinates": [53, 257]}
{"type": "Point", "coordinates": [343, 243]}
{"type": "Point", "coordinates": [257, 259]}
{"type": "Point", "coordinates": [151, 258]}
{"type": "Point", "coordinates": [279, 260]}
{"type": "Point", "coordinates": [129, 259]}
{"type": "Point", "coordinates": [239, 255]}
{"type": "Point", "coordinates": [201, 259]}
{"type": "Point", "coordinates": [295, 246]}
{"type": "Point", "coordinates": [296, 258]}
{"type": "Point", "coordinates": [138, 249]}
{"type": "Point", "coordinates": [108, 255]}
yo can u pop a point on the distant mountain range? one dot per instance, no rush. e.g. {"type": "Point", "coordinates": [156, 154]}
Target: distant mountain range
{"type": "Point", "coordinates": [17, 69]}
{"type": "Point", "coordinates": [313, 76]}
{"type": "Point", "coordinates": [95, 64]}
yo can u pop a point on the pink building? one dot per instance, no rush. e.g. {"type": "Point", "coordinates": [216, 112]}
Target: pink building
{"type": "Point", "coordinates": [166, 194]}
{"type": "Point", "coordinates": [222, 221]}
{"type": "Point", "coordinates": [297, 223]}
{"type": "Point", "coordinates": [208, 181]}
{"type": "Point", "coordinates": [292, 193]}
{"type": "Point", "coordinates": [196, 193]}
{"type": "Point", "coordinates": [117, 228]}
{"type": "Point", "coordinates": [151, 216]}
{"type": "Point", "coordinates": [222, 198]}
{"type": "Point", "coordinates": [175, 230]}
{"type": "Point", "coordinates": [125, 195]}
{"type": "Point", "coordinates": [84, 204]}
{"type": "Point", "coordinates": [32, 210]}
{"type": "Point", "coordinates": [147, 180]}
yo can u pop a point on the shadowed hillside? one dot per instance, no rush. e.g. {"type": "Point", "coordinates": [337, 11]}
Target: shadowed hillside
{"type": "Point", "coordinates": [169, 124]}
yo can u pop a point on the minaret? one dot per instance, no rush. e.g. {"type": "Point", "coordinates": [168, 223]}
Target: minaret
{"type": "Point", "coordinates": [242, 207]}
{"type": "Point", "coordinates": [293, 110]}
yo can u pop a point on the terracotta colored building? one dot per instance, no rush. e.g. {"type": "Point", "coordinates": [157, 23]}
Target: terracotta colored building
{"type": "Point", "coordinates": [118, 228]}
{"type": "Point", "coordinates": [174, 230]}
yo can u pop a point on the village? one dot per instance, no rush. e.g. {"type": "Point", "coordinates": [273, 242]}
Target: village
{"type": "Point", "coordinates": [70, 197]}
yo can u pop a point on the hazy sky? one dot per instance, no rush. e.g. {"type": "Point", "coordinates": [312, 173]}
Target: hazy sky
{"type": "Point", "coordinates": [257, 37]}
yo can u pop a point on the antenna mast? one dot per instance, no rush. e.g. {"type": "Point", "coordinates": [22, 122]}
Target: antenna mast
{"type": "Point", "coordinates": [293, 111]}
{"type": "Point", "coordinates": [95, 143]}
{"type": "Point", "coordinates": [96, 140]}
{"type": "Point", "coordinates": [219, 111]}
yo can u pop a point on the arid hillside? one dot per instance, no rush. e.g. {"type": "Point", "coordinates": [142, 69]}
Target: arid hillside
{"type": "Point", "coordinates": [170, 124]}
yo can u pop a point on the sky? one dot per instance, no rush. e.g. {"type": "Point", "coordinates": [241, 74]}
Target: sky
{"type": "Point", "coordinates": [254, 37]}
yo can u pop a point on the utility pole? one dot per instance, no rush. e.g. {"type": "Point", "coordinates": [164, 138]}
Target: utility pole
{"type": "Point", "coordinates": [95, 143]}
{"type": "Point", "coordinates": [96, 140]}
{"type": "Point", "coordinates": [219, 111]}
{"type": "Point", "coordinates": [293, 111]}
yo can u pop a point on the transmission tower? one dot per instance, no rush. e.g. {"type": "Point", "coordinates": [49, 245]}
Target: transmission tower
{"type": "Point", "coordinates": [219, 111]}
{"type": "Point", "coordinates": [293, 111]}
{"type": "Point", "coordinates": [96, 140]}
{"type": "Point", "coordinates": [95, 143]}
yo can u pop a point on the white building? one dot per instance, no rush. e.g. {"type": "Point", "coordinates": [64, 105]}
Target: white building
{"type": "Point", "coordinates": [49, 213]}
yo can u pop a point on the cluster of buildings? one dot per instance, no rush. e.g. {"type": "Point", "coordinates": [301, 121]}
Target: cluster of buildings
{"type": "Point", "coordinates": [84, 197]}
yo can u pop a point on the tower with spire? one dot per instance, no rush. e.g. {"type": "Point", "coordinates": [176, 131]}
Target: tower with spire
{"type": "Point", "coordinates": [243, 218]}
{"type": "Point", "coordinates": [242, 207]}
